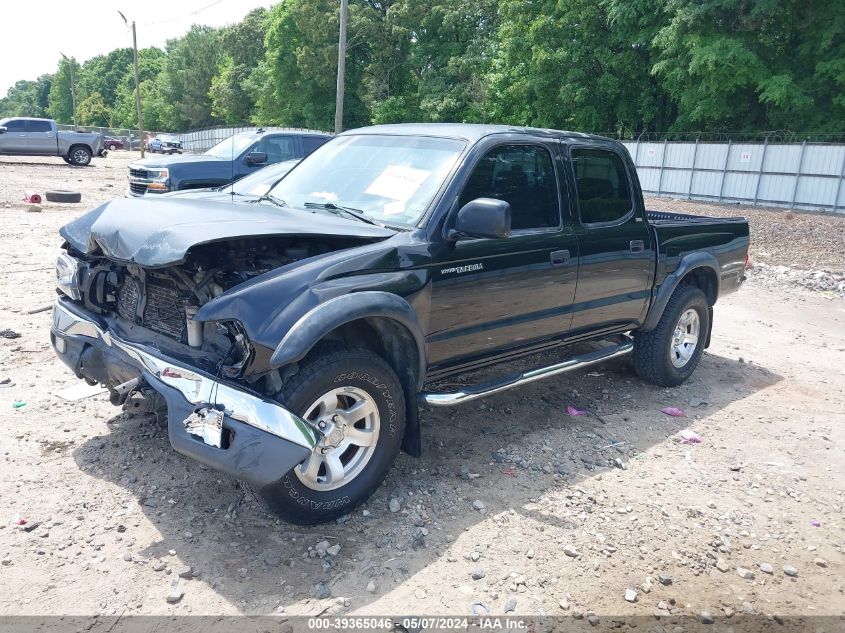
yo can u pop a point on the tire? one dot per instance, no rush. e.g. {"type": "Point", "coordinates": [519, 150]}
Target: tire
{"type": "Point", "coordinates": [58, 195]}
{"type": "Point", "coordinates": [300, 497]}
{"type": "Point", "coordinates": [666, 356]}
{"type": "Point", "coordinates": [79, 155]}
{"type": "Point", "coordinates": [112, 147]}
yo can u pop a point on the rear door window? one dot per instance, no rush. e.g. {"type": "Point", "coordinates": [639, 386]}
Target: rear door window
{"type": "Point", "coordinates": [39, 126]}
{"type": "Point", "coordinates": [604, 194]}
{"type": "Point", "coordinates": [310, 143]}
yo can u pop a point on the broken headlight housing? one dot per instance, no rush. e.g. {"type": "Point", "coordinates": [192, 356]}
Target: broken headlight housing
{"type": "Point", "coordinates": [69, 274]}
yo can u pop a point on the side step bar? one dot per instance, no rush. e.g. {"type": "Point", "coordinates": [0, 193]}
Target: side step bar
{"type": "Point", "coordinates": [448, 399]}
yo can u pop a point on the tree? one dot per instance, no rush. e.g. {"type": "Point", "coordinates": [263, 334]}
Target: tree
{"type": "Point", "coordinates": [191, 64]}
{"type": "Point", "coordinates": [60, 100]}
{"type": "Point", "coordinates": [301, 68]}
{"type": "Point", "coordinates": [746, 66]}
{"type": "Point", "coordinates": [157, 109]}
{"type": "Point", "coordinates": [27, 98]}
{"type": "Point", "coordinates": [450, 49]}
{"type": "Point", "coordinates": [104, 74]}
{"type": "Point", "coordinates": [243, 44]}
{"type": "Point", "coordinates": [564, 64]}
{"type": "Point", "coordinates": [92, 110]}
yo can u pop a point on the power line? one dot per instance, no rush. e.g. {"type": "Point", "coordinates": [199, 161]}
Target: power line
{"type": "Point", "coordinates": [182, 17]}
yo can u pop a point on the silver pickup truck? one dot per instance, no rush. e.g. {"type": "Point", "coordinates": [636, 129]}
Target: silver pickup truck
{"type": "Point", "coordinates": [23, 136]}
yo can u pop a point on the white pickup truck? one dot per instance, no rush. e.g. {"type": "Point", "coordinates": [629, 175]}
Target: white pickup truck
{"type": "Point", "coordinates": [24, 136]}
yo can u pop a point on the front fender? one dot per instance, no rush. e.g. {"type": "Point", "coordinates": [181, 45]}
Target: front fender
{"type": "Point", "coordinates": [315, 324]}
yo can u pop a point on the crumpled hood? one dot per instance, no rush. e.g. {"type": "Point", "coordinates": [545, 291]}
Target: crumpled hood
{"type": "Point", "coordinates": [159, 232]}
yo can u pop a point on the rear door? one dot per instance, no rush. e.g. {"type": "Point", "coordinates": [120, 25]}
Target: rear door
{"type": "Point", "coordinates": [41, 138]}
{"type": "Point", "coordinates": [616, 253]}
{"type": "Point", "coordinates": [493, 294]}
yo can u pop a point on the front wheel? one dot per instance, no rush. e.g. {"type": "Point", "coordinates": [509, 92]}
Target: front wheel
{"type": "Point", "coordinates": [669, 354]}
{"type": "Point", "coordinates": [112, 147]}
{"type": "Point", "coordinates": [356, 400]}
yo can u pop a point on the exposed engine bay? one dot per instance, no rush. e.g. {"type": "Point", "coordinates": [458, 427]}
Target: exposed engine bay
{"type": "Point", "coordinates": [158, 304]}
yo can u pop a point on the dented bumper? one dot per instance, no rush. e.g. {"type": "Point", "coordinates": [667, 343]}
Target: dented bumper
{"type": "Point", "coordinates": [261, 440]}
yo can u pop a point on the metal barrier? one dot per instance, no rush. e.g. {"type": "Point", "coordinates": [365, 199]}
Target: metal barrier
{"type": "Point", "coordinates": [199, 141]}
{"type": "Point", "coordinates": [806, 175]}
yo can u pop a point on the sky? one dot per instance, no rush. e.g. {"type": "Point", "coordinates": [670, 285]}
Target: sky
{"type": "Point", "coordinates": [85, 29]}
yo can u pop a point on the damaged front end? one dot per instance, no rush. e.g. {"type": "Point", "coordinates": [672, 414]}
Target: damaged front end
{"type": "Point", "coordinates": [132, 329]}
{"type": "Point", "coordinates": [241, 433]}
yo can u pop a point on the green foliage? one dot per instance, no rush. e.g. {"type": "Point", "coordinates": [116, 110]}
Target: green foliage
{"type": "Point", "coordinates": [243, 49]}
{"type": "Point", "coordinates": [617, 66]}
{"type": "Point", "coordinates": [92, 110]}
{"type": "Point", "coordinates": [60, 98]}
{"type": "Point", "coordinates": [27, 98]}
{"type": "Point", "coordinates": [189, 68]}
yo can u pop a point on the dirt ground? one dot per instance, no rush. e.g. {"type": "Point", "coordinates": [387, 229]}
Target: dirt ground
{"type": "Point", "coordinates": [515, 505]}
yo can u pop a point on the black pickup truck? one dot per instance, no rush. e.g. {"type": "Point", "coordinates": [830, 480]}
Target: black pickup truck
{"type": "Point", "coordinates": [289, 339]}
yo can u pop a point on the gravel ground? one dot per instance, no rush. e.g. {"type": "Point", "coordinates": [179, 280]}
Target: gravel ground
{"type": "Point", "coordinates": [515, 507]}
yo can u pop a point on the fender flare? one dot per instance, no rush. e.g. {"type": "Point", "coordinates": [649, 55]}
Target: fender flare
{"type": "Point", "coordinates": [329, 315]}
{"type": "Point", "coordinates": [688, 263]}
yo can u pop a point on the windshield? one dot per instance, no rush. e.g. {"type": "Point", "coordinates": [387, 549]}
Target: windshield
{"type": "Point", "coordinates": [259, 182]}
{"type": "Point", "coordinates": [231, 147]}
{"type": "Point", "coordinates": [389, 178]}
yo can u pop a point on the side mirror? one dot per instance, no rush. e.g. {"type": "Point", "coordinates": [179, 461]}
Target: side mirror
{"type": "Point", "coordinates": [256, 158]}
{"type": "Point", "coordinates": [483, 217]}
{"type": "Point", "coordinates": [2, 129]}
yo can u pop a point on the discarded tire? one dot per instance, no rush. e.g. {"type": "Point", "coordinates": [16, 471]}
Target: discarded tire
{"type": "Point", "coordinates": [58, 195]}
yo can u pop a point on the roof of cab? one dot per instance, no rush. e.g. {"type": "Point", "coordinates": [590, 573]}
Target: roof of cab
{"type": "Point", "coordinates": [467, 131]}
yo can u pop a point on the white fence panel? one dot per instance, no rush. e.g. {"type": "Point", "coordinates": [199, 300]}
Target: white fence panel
{"type": "Point", "coordinates": [805, 176]}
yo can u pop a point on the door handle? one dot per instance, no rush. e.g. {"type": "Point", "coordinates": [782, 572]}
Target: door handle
{"type": "Point", "coordinates": [637, 246]}
{"type": "Point", "coordinates": [559, 258]}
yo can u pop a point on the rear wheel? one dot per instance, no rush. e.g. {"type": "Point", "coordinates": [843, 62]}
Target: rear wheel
{"type": "Point", "coordinates": [112, 147]}
{"type": "Point", "coordinates": [79, 156]}
{"type": "Point", "coordinates": [669, 354]}
{"type": "Point", "coordinates": [355, 399]}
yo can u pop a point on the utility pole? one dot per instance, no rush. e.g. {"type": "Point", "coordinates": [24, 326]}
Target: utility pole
{"type": "Point", "coordinates": [341, 68]}
{"type": "Point", "coordinates": [137, 85]}
{"type": "Point", "coordinates": [72, 88]}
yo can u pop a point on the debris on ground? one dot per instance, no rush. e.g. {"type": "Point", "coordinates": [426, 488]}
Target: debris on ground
{"type": "Point", "coordinates": [574, 411]}
{"type": "Point", "coordinates": [688, 436]}
{"type": "Point", "coordinates": [674, 412]}
{"type": "Point", "coordinates": [7, 333]}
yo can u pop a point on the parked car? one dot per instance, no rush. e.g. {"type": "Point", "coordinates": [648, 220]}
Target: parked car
{"type": "Point", "coordinates": [25, 136]}
{"type": "Point", "coordinates": [289, 341]}
{"type": "Point", "coordinates": [247, 189]}
{"type": "Point", "coordinates": [226, 162]}
{"type": "Point", "coordinates": [164, 144]}
{"type": "Point", "coordinates": [112, 143]}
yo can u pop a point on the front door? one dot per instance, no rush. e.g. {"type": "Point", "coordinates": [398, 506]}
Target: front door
{"type": "Point", "coordinates": [491, 294]}
{"type": "Point", "coordinates": [13, 141]}
{"type": "Point", "coordinates": [616, 252]}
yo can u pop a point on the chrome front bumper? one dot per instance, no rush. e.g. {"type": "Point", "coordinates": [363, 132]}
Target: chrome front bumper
{"type": "Point", "coordinates": [198, 389]}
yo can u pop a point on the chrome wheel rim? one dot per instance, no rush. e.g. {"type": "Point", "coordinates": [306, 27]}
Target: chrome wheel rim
{"type": "Point", "coordinates": [349, 419]}
{"type": "Point", "coordinates": [685, 338]}
{"type": "Point", "coordinates": [80, 156]}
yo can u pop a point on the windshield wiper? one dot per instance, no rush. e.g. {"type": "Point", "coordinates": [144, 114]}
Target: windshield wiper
{"type": "Point", "coordinates": [355, 213]}
{"type": "Point", "coordinates": [277, 201]}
